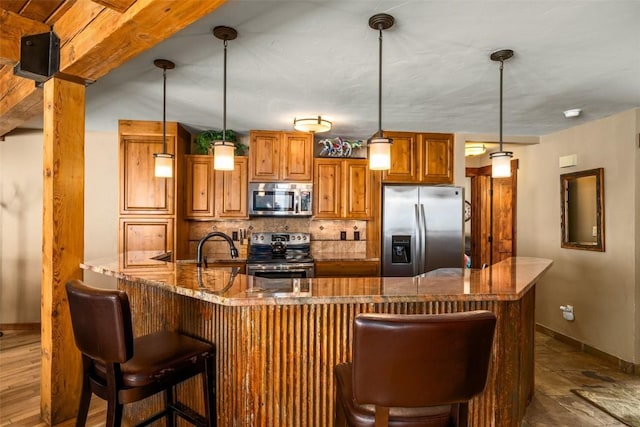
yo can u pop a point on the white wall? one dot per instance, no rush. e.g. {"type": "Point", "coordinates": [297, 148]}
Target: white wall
{"type": "Point", "coordinates": [600, 285]}
{"type": "Point", "coordinates": [21, 217]}
{"type": "Point", "coordinates": [636, 191]}
{"type": "Point", "coordinates": [20, 226]}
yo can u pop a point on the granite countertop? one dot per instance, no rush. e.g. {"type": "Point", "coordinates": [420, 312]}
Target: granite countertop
{"type": "Point", "coordinates": [507, 280]}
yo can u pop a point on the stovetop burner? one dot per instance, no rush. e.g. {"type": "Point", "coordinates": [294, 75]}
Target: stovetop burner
{"type": "Point", "coordinates": [272, 248]}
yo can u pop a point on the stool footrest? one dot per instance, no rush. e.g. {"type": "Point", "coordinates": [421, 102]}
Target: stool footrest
{"type": "Point", "coordinates": [188, 414]}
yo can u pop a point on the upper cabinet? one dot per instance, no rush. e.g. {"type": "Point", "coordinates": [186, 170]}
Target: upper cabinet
{"type": "Point", "coordinates": [199, 188]}
{"type": "Point", "coordinates": [342, 189]}
{"type": "Point", "coordinates": [215, 194]}
{"type": "Point", "coordinates": [141, 193]}
{"type": "Point", "coordinates": [231, 190]}
{"type": "Point", "coordinates": [280, 156]}
{"type": "Point", "coordinates": [420, 158]}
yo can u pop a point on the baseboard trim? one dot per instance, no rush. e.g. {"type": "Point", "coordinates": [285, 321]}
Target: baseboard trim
{"type": "Point", "coordinates": [19, 326]}
{"type": "Point", "coordinates": [623, 365]}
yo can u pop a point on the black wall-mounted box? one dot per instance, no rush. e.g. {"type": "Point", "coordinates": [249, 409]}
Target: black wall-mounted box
{"type": "Point", "coordinates": [39, 57]}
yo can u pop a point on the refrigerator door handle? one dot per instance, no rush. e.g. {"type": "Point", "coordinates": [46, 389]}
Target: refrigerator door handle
{"type": "Point", "coordinates": [423, 254]}
{"type": "Point", "coordinates": [417, 256]}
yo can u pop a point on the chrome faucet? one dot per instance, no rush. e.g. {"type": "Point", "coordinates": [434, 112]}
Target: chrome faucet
{"type": "Point", "coordinates": [232, 247]}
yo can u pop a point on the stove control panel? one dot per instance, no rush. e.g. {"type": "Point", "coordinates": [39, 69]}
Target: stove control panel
{"type": "Point", "coordinates": [267, 238]}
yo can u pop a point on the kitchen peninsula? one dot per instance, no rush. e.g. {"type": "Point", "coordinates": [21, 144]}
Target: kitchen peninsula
{"type": "Point", "coordinates": [278, 340]}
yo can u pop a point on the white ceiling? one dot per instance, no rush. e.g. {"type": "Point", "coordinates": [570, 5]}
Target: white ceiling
{"type": "Point", "coordinates": [298, 58]}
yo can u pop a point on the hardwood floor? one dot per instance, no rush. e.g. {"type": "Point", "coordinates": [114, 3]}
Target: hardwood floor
{"type": "Point", "coordinates": [20, 384]}
{"type": "Point", "coordinates": [559, 368]}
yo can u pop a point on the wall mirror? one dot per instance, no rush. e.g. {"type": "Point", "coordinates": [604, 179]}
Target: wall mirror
{"type": "Point", "coordinates": [582, 198]}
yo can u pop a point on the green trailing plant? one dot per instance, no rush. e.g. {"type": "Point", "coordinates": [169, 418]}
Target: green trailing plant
{"type": "Point", "coordinates": [205, 139]}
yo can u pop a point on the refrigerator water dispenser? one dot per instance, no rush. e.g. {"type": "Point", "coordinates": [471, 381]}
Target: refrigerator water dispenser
{"type": "Point", "coordinates": [401, 249]}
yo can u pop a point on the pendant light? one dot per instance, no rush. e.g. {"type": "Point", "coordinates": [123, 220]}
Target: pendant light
{"type": "Point", "coordinates": [501, 160]}
{"type": "Point", "coordinates": [164, 161]}
{"type": "Point", "coordinates": [379, 146]}
{"type": "Point", "coordinates": [223, 150]}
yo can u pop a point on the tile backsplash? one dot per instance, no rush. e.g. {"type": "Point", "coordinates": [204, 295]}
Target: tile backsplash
{"type": "Point", "coordinates": [325, 234]}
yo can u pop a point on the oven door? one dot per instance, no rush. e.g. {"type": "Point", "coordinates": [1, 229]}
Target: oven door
{"type": "Point", "coordinates": [281, 271]}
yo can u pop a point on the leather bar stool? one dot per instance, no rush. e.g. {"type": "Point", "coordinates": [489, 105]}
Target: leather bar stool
{"type": "Point", "coordinates": [122, 369]}
{"type": "Point", "coordinates": [413, 370]}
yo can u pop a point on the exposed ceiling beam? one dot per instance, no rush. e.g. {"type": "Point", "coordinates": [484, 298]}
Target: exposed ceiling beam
{"type": "Point", "coordinates": [118, 5]}
{"type": "Point", "coordinates": [95, 40]}
{"type": "Point", "coordinates": [14, 27]}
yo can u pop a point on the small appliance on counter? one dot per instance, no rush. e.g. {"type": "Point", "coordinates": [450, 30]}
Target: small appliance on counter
{"type": "Point", "coordinates": [280, 255]}
{"type": "Point", "coordinates": [280, 199]}
{"type": "Point", "coordinates": [422, 229]}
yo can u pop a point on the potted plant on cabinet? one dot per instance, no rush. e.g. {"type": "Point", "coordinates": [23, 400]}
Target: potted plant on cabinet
{"type": "Point", "coordinates": [205, 139]}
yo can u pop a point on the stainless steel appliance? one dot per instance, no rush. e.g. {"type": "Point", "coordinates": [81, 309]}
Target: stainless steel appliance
{"type": "Point", "coordinates": [280, 255]}
{"type": "Point", "coordinates": [280, 199]}
{"type": "Point", "coordinates": [422, 229]}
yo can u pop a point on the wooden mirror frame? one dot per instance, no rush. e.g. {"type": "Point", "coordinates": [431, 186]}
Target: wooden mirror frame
{"type": "Point", "coordinates": [598, 245]}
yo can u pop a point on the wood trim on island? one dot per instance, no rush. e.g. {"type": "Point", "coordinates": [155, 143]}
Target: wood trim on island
{"type": "Point", "coordinates": [275, 356]}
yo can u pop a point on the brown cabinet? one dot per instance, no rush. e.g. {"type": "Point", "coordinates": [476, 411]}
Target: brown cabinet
{"type": "Point", "coordinates": [215, 194]}
{"type": "Point", "coordinates": [420, 158]}
{"type": "Point", "coordinates": [143, 238]}
{"type": "Point", "coordinates": [231, 191]}
{"type": "Point", "coordinates": [199, 186]}
{"type": "Point", "coordinates": [347, 268]}
{"type": "Point", "coordinates": [280, 156]}
{"type": "Point", "coordinates": [342, 189]}
{"type": "Point", "coordinates": [151, 220]}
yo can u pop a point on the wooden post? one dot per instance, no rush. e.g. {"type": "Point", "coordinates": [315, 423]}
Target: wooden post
{"type": "Point", "coordinates": [62, 245]}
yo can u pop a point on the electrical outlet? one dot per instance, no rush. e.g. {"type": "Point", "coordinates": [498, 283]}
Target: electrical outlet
{"type": "Point", "coordinates": [567, 312]}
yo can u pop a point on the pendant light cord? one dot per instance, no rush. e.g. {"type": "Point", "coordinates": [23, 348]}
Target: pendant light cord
{"type": "Point", "coordinates": [501, 68]}
{"type": "Point", "coordinates": [224, 97]}
{"type": "Point", "coordinates": [164, 110]}
{"type": "Point", "coordinates": [380, 81]}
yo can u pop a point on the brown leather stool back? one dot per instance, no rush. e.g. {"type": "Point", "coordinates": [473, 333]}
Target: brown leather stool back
{"type": "Point", "coordinates": [413, 361]}
{"type": "Point", "coordinates": [122, 369]}
{"type": "Point", "coordinates": [101, 323]}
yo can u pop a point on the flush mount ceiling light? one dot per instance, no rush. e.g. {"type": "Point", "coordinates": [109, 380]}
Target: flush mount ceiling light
{"type": "Point", "coordinates": [575, 112]}
{"type": "Point", "coordinates": [379, 146]}
{"type": "Point", "coordinates": [474, 149]}
{"type": "Point", "coordinates": [312, 124]}
{"type": "Point", "coordinates": [501, 160]}
{"type": "Point", "coordinates": [223, 150]}
{"type": "Point", "coordinates": [164, 161]}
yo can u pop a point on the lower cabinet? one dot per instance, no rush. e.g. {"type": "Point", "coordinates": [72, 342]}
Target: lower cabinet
{"type": "Point", "coordinates": [144, 238]}
{"type": "Point", "coordinates": [215, 194]}
{"type": "Point", "coordinates": [348, 268]}
{"type": "Point", "coordinates": [341, 189]}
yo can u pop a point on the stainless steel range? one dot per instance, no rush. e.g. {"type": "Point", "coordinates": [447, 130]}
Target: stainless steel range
{"type": "Point", "coordinates": [280, 255]}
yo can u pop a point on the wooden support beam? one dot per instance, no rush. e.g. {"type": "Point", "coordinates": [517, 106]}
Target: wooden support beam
{"type": "Point", "coordinates": [62, 245]}
{"type": "Point", "coordinates": [95, 40]}
{"type": "Point", "coordinates": [14, 27]}
{"type": "Point", "coordinates": [118, 5]}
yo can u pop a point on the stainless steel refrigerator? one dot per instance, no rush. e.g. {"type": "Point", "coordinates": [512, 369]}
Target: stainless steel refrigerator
{"type": "Point", "coordinates": [422, 229]}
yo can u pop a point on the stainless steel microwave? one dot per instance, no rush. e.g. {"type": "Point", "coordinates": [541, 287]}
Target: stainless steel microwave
{"type": "Point", "coordinates": [280, 199]}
